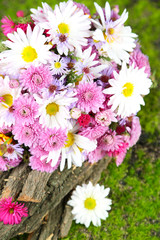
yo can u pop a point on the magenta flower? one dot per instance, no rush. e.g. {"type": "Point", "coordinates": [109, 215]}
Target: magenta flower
{"type": "Point", "coordinates": [8, 25]}
{"type": "Point", "coordinates": [90, 97]}
{"type": "Point", "coordinates": [12, 212]}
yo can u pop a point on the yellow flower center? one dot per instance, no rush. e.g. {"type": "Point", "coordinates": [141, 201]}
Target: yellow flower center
{"type": "Point", "coordinates": [11, 210]}
{"type": "Point", "coordinates": [7, 99]}
{"type": "Point", "coordinates": [29, 54]}
{"type": "Point", "coordinates": [107, 38]}
{"type": "Point", "coordinates": [3, 149]}
{"type": "Point", "coordinates": [90, 203]}
{"type": "Point", "coordinates": [128, 89]}
{"type": "Point", "coordinates": [57, 64]}
{"type": "Point", "coordinates": [70, 140]}
{"type": "Point", "coordinates": [63, 28]}
{"type": "Point", "coordinates": [52, 108]}
{"type": "Point", "coordinates": [4, 138]}
{"type": "Point", "coordinates": [111, 31]}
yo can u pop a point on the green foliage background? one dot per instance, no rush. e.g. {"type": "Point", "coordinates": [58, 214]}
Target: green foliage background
{"type": "Point", "coordinates": [135, 185]}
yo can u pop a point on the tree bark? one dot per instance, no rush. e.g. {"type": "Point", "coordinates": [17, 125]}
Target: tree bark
{"type": "Point", "coordinates": [46, 197]}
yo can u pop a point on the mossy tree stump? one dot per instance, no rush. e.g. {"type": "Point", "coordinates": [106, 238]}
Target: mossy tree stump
{"type": "Point", "coordinates": [46, 196]}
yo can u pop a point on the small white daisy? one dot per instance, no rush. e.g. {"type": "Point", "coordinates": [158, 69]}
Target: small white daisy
{"type": "Point", "coordinates": [25, 49]}
{"type": "Point", "coordinates": [88, 65]}
{"type": "Point", "coordinates": [58, 64]}
{"type": "Point", "coordinates": [8, 95]}
{"type": "Point", "coordinates": [14, 151]}
{"type": "Point", "coordinates": [69, 24]}
{"type": "Point", "coordinates": [76, 148]}
{"type": "Point", "coordinates": [90, 204]}
{"type": "Point", "coordinates": [54, 111]}
{"type": "Point", "coordinates": [127, 89]}
{"type": "Point", "coordinates": [117, 39]}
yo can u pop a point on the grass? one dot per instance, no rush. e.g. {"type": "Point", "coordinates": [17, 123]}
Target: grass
{"type": "Point", "coordinates": [135, 185]}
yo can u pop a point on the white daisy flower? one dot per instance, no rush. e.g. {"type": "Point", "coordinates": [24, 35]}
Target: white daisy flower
{"type": "Point", "coordinates": [70, 24]}
{"type": "Point", "coordinates": [25, 49]}
{"type": "Point", "coordinates": [39, 15]}
{"type": "Point", "coordinates": [8, 95]}
{"type": "Point", "coordinates": [127, 89]}
{"type": "Point", "coordinates": [117, 39]}
{"type": "Point", "coordinates": [76, 148]}
{"type": "Point", "coordinates": [54, 111]}
{"type": "Point", "coordinates": [88, 66]}
{"type": "Point", "coordinates": [90, 204]}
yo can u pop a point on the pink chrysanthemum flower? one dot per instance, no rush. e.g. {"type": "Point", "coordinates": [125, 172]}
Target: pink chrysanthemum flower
{"type": "Point", "coordinates": [105, 118]}
{"type": "Point", "coordinates": [36, 78]}
{"type": "Point", "coordinates": [52, 139]}
{"type": "Point", "coordinates": [11, 163]}
{"type": "Point", "coordinates": [23, 26]}
{"type": "Point", "coordinates": [8, 25]}
{"type": "Point", "coordinates": [27, 134]}
{"type": "Point", "coordinates": [90, 97]}
{"type": "Point", "coordinates": [3, 164]}
{"type": "Point", "coordinates": [12, 212]}
{"type": "Point", "coordinates": [111, 142]}
{"type": "Point", "coordinates": [120, 157]}
{"type": "Point", "coordinates": [25, 109]}
{"type": "Point", "coordinates": [134, 131]}
{"type": "Point", "coordinates": [96, 155]}
{"type": "Point", "coordinates": [140, 60]}
{"type": "Point", "coordinates": [94, 133]}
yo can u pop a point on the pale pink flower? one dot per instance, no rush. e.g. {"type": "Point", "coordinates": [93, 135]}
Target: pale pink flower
{"type": "Point", "coordinates": [25, 109]}
{"type": "Point", "coordinates": [105, 118]}
{"type": "Point", "coordinates": [12, 212]}
{"type": "Point", "coordinates": [111, 142]}
{"type": "Point", "coordinates": [3, 164]}
{"type": "Point", "coordinates": [36, 78]}
{"type": "Point", "coordinates": [96, 155]}
{"type": "Point", "coordinates": [90, 97]}
{"type": "Point", "coordinates": [93, 133]}
{"type": "Point", "coordinates": [140, 60]}
{"type": "Point", "coordinates": [120, 157]}
{"type": "Point", "coordinates": [134, 131]}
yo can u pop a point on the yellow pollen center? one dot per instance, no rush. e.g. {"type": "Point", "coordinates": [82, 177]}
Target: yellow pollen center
{"type": "Point", "coordinates": [7, 99]}
{"type": "Point", "coordinates": [90, 203]}
{"type": "Point", "coordinates": [70, 140]}
{"type": "Point", "coordinates": [107, 38]}
{"type": "Point", "coordinates": [57, 64]}
{"type": "Point", "coordinates": [63, 28]}
{"type": "Point", "coordinates": [29, 54]}
{"type": "Point", "coordinates": [11, 210]}
{"type": "Point", "coordinates": [128, 89]}
{"type": "Point", "coordinates": [111, 31]}
{"type": "Point", "coordinates": [52, 109]}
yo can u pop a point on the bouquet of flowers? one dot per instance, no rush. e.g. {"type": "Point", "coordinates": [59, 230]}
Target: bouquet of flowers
{"type": "Point", "coordinates": [71, 85]}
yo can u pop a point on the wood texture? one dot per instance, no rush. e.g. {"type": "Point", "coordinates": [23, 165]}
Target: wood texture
{"type": "Point", "coordinates": [46, 196]}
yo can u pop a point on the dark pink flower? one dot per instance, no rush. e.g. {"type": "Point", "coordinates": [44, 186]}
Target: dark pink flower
{"type": "Point", "coordinates": [8, 25]}
{"type": "Point", "coordinates": [84, 119]}
{"type": "Point", "coordinates": [20, 13]}
{"type": "Point", "coordinates": [12, 212]}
